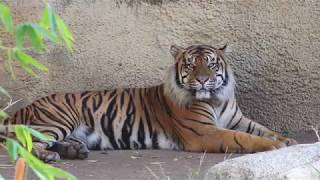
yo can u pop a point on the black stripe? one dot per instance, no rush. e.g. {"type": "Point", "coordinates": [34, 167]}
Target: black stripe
{"type": "Point", "coordinates": [107, 121]}
{"type": "Point", "coordinates": [202, 114]}
{"type": "Point", "coordinates": [96, 104]}
{"type": "Point", "coordinates": [197, 121]}
{"type": "Point", "coordinates": [84, 93]}
{"type": "Point", "coordinates": [224, 108]}
{"type": "Point", "coordinates": [86, 111]}
{"type": "Point", "coordinates": [237, 123]}
{"type": "Point", "coordinates": [252, 129]}
{"type": "Point", "coordinates": [233, 116]}
{"type": "Point", "coordinates": [155, 142]}
{"type": "Point", "coordinates": [127, 125]}
{"type": "Point", "coordinates": [141, 135]}
{"type": "Point", "coordinates": [236, 141]}
{"type": "Point", "coordinates": [249, 127]}
{"type": "Point", "coordinates": [188, 128]}
{"type": "Point", "coordinates": [52, 117]}
{"type": "Point", "coordinates": [221, 149]}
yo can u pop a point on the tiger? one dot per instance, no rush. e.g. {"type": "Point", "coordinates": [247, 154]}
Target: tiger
{"type": "Point", "coordinates": [194, 110]}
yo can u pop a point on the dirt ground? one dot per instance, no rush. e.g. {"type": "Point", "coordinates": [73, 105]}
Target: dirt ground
{"type": "Point", "coordinates": [140, 165]}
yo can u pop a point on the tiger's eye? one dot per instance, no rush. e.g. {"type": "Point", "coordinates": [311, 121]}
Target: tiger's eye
{"type": "Point", "coordinates": [212, 66]}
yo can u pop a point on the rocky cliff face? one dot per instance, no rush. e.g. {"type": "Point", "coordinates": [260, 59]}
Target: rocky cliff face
{"type": "Point", "coordinates": [275, 50]}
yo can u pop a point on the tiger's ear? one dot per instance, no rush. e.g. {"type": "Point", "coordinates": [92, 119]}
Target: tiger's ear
{"type": "Point", "coordinates": [225, 49]}
{"type": "Point", "coordinates": [175, 50]}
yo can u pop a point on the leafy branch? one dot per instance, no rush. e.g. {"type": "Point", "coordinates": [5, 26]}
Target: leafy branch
{"type": "Point", "coordinates": [50, 28]}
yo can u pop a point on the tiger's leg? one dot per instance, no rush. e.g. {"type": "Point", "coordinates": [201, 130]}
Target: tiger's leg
{"type": "Point", "coordinates": [215, 140]}
{"type": "Point", "coordinates": [247, 125]}
{"type": "Point", "coordinates": [71, 148]}
{"type": "Point", "coordinates": [42, 149]}
{"type": "Point", "coordinates": [41, 152]}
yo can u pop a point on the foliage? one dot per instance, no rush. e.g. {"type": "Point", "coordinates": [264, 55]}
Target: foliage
{"type": "Point", "coordinates": [50, 28]}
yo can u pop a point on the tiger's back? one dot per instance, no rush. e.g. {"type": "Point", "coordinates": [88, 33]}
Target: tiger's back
{"type": "Point", "coordinates": [115, 119]}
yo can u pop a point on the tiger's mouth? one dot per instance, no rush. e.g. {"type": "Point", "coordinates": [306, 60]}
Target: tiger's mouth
{"type": "Point", "coordinates": [202, 94]}
{"type": "Point", "coordinates": [205, 93]}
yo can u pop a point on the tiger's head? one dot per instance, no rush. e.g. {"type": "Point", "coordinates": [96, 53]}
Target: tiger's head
{"type": "Point", "coordinates": [200, 73]}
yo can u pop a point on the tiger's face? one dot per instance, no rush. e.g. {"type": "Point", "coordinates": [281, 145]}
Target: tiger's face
{"type": "Point", "coordinates": [200, 70]}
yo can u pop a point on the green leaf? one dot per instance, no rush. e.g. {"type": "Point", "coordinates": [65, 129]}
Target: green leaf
{"type": "Point", "coordinates": [27, 60]}
{"type": "Point", "coordinates": [34, 37]}
{"type": "Point", "coordinates": [24, 136]}
{"type": "Point", "coordinates": [20, 31]}
{"type": "Point", "coordinates": [3, 115]}
{"type": "Point", "coordinates": [43, 170]}
{"type": "Point", "coordinates": [34, 163]}
{"type": "Point", "coordinates": [4, 92]}
{"type": "Point", "coordinates": [12, 148]}
{"type": "Point", "coordinates": [46, 33]}
{"type": "Point", "coordinates": [27, 69]}
{"type": "Point", "coordinates": [47, 20]}
{"type": "Point", "coordinates": [6, 17]}
{"type": "Point", "coordinates": [64, 32]}
{"type": "Point", "coordinates": [40, 136]}
{"type": "Point", "coordinates": [28, 138]}
{"type": "Point", "coordinates": [20, 135]}
{"type": "Point", "coordinates": [60, 173]}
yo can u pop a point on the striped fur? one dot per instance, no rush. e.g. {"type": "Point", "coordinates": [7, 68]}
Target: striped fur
{"type": "Point", "coordinates": [193, 110]}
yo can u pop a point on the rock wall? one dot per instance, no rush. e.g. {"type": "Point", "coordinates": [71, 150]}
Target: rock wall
{"type": "Point", "coordinates": [275, 50]}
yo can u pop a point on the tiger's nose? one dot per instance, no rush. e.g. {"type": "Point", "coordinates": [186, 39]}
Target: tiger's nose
{"type": "Point", "coordinates": [202, 79]}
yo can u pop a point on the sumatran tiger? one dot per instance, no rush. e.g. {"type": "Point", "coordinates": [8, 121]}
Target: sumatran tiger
{"type": "Point", "coordinates": [194, 109]}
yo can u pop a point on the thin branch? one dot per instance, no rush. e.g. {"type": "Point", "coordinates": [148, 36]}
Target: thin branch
{"type": "Point", "coordinates": [316, 131]}
{"type": "Point", "coordinates": [10, 103]}
{"type": "Point", "coordinates": [152, 173]}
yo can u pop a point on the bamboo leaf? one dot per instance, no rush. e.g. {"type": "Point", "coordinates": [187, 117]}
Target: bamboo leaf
{"type": "Point", "coordinates": [60, 173]}
{"type": "Point", "coordinates": [27, 60]}
{"type": "Point", "coordinates": [47, 20]}
{"type": "Point", "coordinates": [64, 32]}
{"type": "Point", "coordinates": [46, 33]}
{"type": "Point", "coordinates": [43, 170]}
{"type": "Point", "coordinates": [6, 17]}
{"type": "Point", "coordinates": [12, 148]}
{"type": "Point", "coordinates": [4, 92]}
{"type": "Point", "coordinates": [35, 38]}
{"type": "Point", "coordinates": [20, 135]}
{"type": "Point", "coordinates": [40, 136]}
{"type": "Point", "coordinates": [27, 69]}
{"type": "Point", "coordinates": [27, 136]}
{"type": "Point", "coordinates": [20, 32]}
{"type": "Point", "coordinates": [36, 165]}
{"type": "Point", "coordinates": [3, 115]}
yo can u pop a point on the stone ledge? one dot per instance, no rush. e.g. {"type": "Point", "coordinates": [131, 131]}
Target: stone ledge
{"type": "Point", "coordinates": [295, 162]}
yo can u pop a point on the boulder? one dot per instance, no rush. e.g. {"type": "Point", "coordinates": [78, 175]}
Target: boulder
{"type": "Point", "coordinates": [295, 162]}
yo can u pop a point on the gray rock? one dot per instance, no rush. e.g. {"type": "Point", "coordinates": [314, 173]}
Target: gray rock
{"type": "Point", "coordinates": [299, 161]}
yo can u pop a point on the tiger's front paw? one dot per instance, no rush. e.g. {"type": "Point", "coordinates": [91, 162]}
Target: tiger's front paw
{"type": "Point", "coordinates": [290, 141]}
{"type": "Point", "coordinates": [287, 141]}
{"type": "Point", "coordinates": [46, 156]}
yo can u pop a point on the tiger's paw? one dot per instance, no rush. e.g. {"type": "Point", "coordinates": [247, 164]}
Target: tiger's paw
{"type": "Point", "coordinates": [77, 151]}
{"type": "Point", "coordinates": [290, 141]}
{"type": "Point", "coordinates": [46, 156]}
{"type": "Point", "coordinates": [71, 150]}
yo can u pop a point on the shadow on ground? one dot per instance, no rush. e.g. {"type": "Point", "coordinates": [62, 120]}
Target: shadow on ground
{"type": "Point", "coordinates": [139, 165]}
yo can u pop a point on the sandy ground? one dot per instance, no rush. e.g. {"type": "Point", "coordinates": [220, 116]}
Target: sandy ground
{"type": "Point", "coordinates": [139, 165]}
